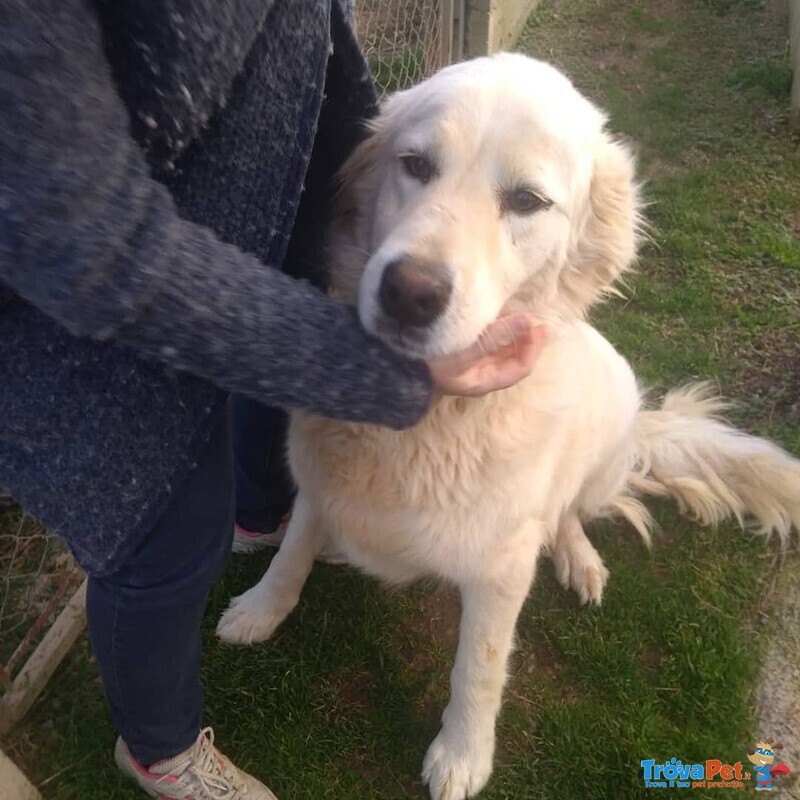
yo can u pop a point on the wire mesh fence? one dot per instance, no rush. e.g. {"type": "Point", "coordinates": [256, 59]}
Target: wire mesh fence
{"type": "Point", "coordinates": [38, 580]}
{"type": "Point", "coordinates": [405, 41]}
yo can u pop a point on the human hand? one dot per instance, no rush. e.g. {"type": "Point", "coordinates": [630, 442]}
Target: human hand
{"type": "Point", "coordinates": [503, 355]}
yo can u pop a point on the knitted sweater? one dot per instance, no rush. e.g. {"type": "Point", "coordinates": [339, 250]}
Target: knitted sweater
{"type": "Point", "coordinates": [153, 155]}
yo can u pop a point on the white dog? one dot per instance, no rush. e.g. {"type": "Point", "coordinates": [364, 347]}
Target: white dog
{"type": "Point", "coordinates": [490, 188]}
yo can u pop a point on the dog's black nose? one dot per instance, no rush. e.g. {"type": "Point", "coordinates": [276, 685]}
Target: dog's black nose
{"type": "Point", "coordinates": [414, 292]}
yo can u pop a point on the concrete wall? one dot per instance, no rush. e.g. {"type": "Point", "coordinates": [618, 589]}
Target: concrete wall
{"type": "Point", "coordinates": [492, 25]}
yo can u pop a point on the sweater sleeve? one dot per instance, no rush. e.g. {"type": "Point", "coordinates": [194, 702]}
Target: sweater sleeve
{"type": "Point", "coordinates": [87, 236]}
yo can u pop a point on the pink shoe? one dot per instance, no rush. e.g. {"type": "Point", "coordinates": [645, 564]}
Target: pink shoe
{"type": "Point", "coordinates": [245, 541]}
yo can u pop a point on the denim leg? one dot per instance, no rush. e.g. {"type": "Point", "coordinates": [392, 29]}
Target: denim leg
{"type": "Point", "coordinates": [264, 487]}
{"type": "Point", "coordinates": [144, 620]}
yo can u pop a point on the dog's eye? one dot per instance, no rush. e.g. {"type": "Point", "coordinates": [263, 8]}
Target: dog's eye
{"type": "Point", "coordinates": [524, 201]}
{"type": "Point", "coordinates": [418, 167]}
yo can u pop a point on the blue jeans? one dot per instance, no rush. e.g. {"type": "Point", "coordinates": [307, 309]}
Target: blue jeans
{"type": "Point", "coordinates": [264, 488]}
{"type": "Point", "coordinates": [144, 620]}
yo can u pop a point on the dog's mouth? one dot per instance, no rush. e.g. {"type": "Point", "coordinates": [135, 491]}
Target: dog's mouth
{"type": "Point", "coordinates": [424, 343]}
{"type": "Point", "coordinates": [413, 342]}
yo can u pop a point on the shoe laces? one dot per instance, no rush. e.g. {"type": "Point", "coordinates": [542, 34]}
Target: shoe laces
{"type": "Point", "coordinates": [208, 770]}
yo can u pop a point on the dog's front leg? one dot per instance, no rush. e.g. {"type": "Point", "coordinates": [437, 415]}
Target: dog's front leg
{"type": "Point", "coordinates": [255, 615]}
{"type": "Point", "coordinates": [459, 761]}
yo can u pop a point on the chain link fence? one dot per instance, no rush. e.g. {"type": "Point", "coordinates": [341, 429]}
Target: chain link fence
{"type": "Point", "coordinates": [405, 41]}
{"type": "Point", "coordinates": [38, 581]}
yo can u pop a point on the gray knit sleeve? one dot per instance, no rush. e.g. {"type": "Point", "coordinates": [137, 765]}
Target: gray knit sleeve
{"type": "Point", "coordinates": [91, 239]}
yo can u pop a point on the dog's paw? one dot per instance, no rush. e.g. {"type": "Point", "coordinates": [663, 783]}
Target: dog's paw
{"type": "Point", "coordinates": [250, 618]}
{"type": "Point", "coordinates": [457, 766]}
{"type": "Point", "coordinates": [580, 567]}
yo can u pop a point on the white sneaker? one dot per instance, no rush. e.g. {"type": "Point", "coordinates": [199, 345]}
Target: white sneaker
{"type": "Point", "coordinates": [199, 773]}
{"type": "Point", "coordinates": [245, 541]}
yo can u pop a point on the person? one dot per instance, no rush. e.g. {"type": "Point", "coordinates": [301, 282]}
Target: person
{"type": "Point", "coordinates": [263, 487]}
{"type": "Point", "coordinates": [166, 169]}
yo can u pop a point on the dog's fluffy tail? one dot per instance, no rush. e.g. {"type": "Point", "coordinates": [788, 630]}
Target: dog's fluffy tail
{"type": "Point", "coordinates": [713, 471]}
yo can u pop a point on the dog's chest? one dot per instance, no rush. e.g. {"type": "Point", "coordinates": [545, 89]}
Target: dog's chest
{"type": "Point", "coordinates": [444, 495]}
{"type": "Point", "coordinates": [427, 500]}
{"type": "Point", "coordinates": [445, 461]}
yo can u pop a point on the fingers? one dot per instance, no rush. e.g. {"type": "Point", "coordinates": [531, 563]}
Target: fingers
{"type": "Point", "coordinates": [504, 355]}
{"type": "Point", "coordinates": [529, 346]}
{"type": "Point", "coordinates": [509, 364]}
{"type": "Point", "coordinates": [504, 331]}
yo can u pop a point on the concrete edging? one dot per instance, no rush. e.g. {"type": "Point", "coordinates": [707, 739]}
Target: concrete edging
{"type": "Point", "coordinates": [15, 785]}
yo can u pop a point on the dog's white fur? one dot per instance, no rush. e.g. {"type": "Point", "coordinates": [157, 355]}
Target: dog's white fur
{"type": "Point", "coordinates": [479, 487]}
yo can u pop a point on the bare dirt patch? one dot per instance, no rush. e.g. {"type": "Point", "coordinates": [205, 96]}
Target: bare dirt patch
{"type": "Point", "coordinates": [778, 696]}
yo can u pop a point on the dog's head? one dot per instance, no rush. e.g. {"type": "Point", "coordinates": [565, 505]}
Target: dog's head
{"type": "Point", "coordinates": [764, 753]}
{"type": "Point", "coordinates": [491, 187]}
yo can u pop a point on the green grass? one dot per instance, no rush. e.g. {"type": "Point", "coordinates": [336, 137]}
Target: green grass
{"type": "Point", "coordinates": [343, 703]}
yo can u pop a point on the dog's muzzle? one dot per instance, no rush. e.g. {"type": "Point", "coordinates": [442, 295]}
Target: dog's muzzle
{"type": "Point", "coordinates": [414, 293]}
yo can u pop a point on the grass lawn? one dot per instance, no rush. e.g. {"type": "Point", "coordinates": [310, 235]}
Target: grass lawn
{"type": "Point", "coordinates": [344, 701]}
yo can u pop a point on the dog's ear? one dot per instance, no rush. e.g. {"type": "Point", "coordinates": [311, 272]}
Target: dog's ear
{"type": "Point", "coordinates": [604, 245]}
{"type": "Point", "coordinates": [358, 173]}
{"type": "Point", "coordinates": [348, 244]}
